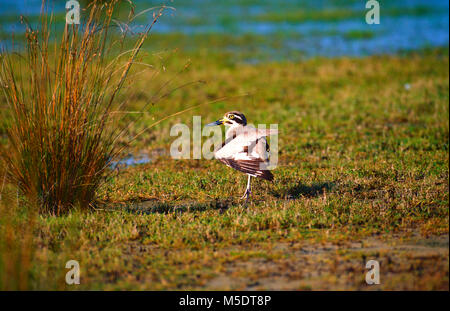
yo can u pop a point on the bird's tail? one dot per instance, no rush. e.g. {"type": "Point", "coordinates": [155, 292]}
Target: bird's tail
{"type": "Point", "coordinates": [265, 174]}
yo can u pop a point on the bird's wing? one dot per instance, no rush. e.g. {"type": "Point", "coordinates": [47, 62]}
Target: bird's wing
{"type": "Point", "coordinates": [246, 153]}
{"type": "Point", "coordinates": [260, 149]}
{"type": "Point", "coordinates": [248, 137]}
{"type": "Point", "coordinates": [250, 166]}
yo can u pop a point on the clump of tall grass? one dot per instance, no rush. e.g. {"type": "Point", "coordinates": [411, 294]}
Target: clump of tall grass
{"type": "Point", "coordinates": [60, 93]}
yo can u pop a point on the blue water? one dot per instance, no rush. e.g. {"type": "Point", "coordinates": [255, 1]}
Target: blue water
{"type": "Point", "coordinates": [131, 160]}
{"type": "Point", "coordinates": [428, 26]}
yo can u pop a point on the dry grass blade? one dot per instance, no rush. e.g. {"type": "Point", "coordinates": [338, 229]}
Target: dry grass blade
{"type": "Point", "coordinates": [60, 95]}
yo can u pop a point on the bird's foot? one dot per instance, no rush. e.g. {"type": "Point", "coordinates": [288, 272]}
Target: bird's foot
{"type": "Point", "coordinates": [246, 195]}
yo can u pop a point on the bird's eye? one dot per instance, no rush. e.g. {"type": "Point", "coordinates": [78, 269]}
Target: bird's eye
{"type": "Point", "coordinates": [231, 117]}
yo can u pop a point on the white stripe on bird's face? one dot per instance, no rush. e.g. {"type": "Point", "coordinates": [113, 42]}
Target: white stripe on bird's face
{"type": "Point", "coordinates": [235, 118]}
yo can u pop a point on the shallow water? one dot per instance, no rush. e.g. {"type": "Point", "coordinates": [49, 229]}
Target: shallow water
{"type": "Point", "coordinates": [405, 24]}
{"type": "Point", "coordinates": [131, 160]}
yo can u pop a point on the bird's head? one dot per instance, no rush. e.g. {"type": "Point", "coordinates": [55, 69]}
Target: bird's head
{"type": "Point", "coordinates": [232, 118]}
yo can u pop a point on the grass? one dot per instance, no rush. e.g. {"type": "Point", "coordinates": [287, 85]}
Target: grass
{"type": "Point", "coordinates": [358, 34]}
{"type": "Point", "coordinates": [16, 240]}
{"type": "Point", "coordinates": [60, 98]}
{"type": "Point", "coordinates": [335, 14]}
{"type": "Point", "coordinates": [363, 174]}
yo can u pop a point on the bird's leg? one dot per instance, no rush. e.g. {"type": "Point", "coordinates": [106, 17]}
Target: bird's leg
{"type": "Point", "coordinates": [248, 190]}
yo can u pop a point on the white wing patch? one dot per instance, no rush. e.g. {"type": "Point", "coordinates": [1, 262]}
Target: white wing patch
{"type": "Point", "coordinates": [244, 138]}
{"type": "Point", "coordinates": [247, 152]}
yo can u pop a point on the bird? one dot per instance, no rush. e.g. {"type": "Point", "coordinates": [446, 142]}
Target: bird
{"type": "Point", "coordinates": [245, 148]}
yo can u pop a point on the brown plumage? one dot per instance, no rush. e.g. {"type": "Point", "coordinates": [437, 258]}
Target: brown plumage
{"type": "Point", "coordinates": [245, 148]}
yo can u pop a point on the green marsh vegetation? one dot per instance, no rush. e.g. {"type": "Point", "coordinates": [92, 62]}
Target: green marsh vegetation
{"type": "Point", "coordinates": [363, 157]}
{"type": "Point", "coordinates": [363, 173]}
{"type": "Point", "coordinates": [60, 97]}
{"type": "Point", "coordinates": [58, 106]}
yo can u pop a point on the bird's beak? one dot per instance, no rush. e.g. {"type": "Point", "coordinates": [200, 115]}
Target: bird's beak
{"type": "Point", "coordinates": [218, 122]}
